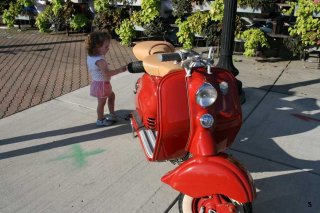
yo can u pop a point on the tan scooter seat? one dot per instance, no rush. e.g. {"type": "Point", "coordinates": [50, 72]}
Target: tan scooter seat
{"type": "Point", "coordinates": [146, 48]}
{"type": "Point", "coordinates": [147, 52]}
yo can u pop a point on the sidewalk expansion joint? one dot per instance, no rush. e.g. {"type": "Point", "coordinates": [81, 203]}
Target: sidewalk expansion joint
{"type": "Point", "coordinates": [172, 204]}
{"type": "Point", "coordinates": [266, 94]}
{"type": "Point", "coordinates": [78, 105]}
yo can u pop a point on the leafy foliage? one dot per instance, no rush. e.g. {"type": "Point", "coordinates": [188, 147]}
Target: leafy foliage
{"type": "Point", "coordinates": [256, 3]}
{"type": "Point", "coordinates": [199, 2]}
{"type": "Point", "coordinates": [216, 10]}
{"type": "Point", "coordinates": [126, 32]}
{"type": "Point", "coordinates": [14, 8]}
{"type": "Point", "coordinates": [57, 15]}
{"type": "Point", "coordinates": [8, 17]}
{"type": "Point", "coordinates": [190, 27]}
{"type": "Point", "coordinates": [26, 3]}
{"type": "Point", "coordinates": [79, 22]}
{"type": "Point", "coordinates": [212, 33]}
{"type": "Point", "coordinates": [307, 27]}
{"type": "Point", "coordinates": [109, 18]}
{"type": "Point", "coordinates": [150, 10]}
{"type": "Point", "coordinates": [155, 28]}
{"type": "Point", "coordinates": [199, 23]}
{"type": "Point", "coordinates": [147, 17]}
{"type": "Point", "coordinates": [185, 34]}
{"type": "Point", "coordinates": [294, 45]}
{"type": "Point", "coordinates": [57, 7]}
{"type": "Point", "coordinates": [43, 19]}
{"type": "Point", "coordinates": [135, 18]}
{"type": "Point", "coordinates": [181, 7]}
{"type": "Point", "coordinates": [101, 5]}
{"type": "Point", "coordinates": [253, 38]}
{"type": "Point", "coordinates": [4, 5]}
{"type": "Point", "coordinates": [198, 20]}
{"type": "Point", "coordinates": [62, 13]}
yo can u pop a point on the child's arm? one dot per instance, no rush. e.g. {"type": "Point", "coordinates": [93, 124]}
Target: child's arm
{"type": "Point", "coordinates": [102, 64]}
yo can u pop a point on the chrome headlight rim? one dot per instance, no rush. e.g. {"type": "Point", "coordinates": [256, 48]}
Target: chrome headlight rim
{"type": "Point", "coordinates": [206, 102]}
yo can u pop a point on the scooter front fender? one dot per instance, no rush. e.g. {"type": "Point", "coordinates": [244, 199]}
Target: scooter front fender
{"type": "Point", "coordinates": [204, 176]}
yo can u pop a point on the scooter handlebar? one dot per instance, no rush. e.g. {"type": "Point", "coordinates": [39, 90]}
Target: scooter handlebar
{"type": "Point", "coordinates": [169, 57]}
{"type": "Point", "coordinates": [136, 67]}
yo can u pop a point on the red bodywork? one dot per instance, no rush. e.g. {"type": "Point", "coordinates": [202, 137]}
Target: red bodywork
{"type": "Point", "coordinates": [163, 105]}
{"type": "Point", "coordinates": [167, 106]}
{"type": "Point", "coordinates": [204, 176]}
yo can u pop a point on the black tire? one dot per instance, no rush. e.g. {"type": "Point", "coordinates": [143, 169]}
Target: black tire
{"type": "Point", "coordinates": [186, 201]}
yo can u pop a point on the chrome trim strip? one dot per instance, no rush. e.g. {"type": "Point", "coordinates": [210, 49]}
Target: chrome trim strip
{"type": "Point", "coordinates": [152, 138]}
{"type": "Point", "coordinates": [145, 143]}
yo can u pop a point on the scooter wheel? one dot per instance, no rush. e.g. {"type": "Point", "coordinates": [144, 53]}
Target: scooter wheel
{"type": "Point", "coordinates": [189, 204]}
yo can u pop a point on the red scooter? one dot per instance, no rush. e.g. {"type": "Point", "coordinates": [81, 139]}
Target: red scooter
{"type": "Point", "coordinates": [188, 112]}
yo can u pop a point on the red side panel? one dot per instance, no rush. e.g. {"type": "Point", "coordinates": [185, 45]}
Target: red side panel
{"type": "Point", "coordinates": [146, 99]}
{"type": "Point", "coordinates": [173, 117]}
{"type": "Point", "coordinates": [205, 176]}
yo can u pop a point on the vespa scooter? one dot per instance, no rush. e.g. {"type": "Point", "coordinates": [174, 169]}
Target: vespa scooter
{"type": "Point", "coordinates": [189, 113]}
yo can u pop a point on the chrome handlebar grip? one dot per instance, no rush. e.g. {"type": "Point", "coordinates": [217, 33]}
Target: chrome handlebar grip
{"type": "Point", "coordinates": [189, 59]}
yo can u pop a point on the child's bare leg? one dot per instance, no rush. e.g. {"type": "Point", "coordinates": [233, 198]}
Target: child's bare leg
{"type": "Point", "coordinates": [111, 101]}
{"type": "Point", "coordinates": [100, 108]}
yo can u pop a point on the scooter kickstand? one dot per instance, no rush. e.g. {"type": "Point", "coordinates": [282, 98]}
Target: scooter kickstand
{"type": "Point", "coordinates": [134, 134]}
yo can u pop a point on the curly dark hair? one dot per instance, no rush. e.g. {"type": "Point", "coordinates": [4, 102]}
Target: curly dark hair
{"type": "Point", "coordinates": [95, 40]}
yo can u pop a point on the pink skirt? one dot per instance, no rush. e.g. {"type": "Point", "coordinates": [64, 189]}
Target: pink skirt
{"type": "Point", "coordinates": [100, 89]}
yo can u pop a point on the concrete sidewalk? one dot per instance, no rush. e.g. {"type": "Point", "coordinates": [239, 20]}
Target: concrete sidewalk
{"type": "Point", "coordinates": [54, 159]}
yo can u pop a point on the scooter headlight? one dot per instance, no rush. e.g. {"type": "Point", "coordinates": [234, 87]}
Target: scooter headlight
{"type": "Point", "coordinates": [206, 95]}
{"type": "Point", "coordinates": [206, 120]}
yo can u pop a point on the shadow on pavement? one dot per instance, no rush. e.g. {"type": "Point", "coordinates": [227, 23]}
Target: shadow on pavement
{"type": "Point", "coordinates": [281, 116]}
{"type": "Point", "coordinates": [278, 143]}
{"type": "Point", "coordinates": [39, 44]}
{"type": "Point", "coordinates": [121, 127]}
{"type": "Point", "coordinates": [47, 134]}
{"type": "Point", "coordinates": [15, 51]}
{"type": "Point", "coordinates": [287, 87]}
{"type": "Point", "coordinates": [119, 130]}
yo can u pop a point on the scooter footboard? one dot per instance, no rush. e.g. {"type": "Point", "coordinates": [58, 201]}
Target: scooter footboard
{"type": "Point", "coordinates": [205, 176]}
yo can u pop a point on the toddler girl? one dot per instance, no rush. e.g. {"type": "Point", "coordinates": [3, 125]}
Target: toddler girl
{"type": "Point", "coordinates": [97, 44]}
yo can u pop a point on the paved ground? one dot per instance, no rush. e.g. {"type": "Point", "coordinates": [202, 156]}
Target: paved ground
{"type": "Point", "coordinates": [54, 159]}
{"type": "Point", "coordinates": [37, 67]}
